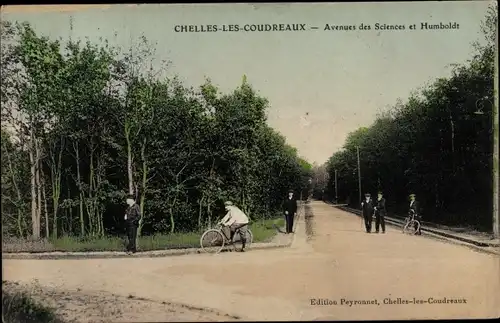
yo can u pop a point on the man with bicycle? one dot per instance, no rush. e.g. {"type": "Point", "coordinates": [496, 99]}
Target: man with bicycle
{"type": "Point", "coordinates": [235, 219]}
{"type": "Point", "coordinates": [414, 210]}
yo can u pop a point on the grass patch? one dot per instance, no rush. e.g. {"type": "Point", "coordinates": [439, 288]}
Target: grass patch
{"type": "Point", "coordinates": [263, 231]}
{"type": "Point", "coordinates": [19, 307]}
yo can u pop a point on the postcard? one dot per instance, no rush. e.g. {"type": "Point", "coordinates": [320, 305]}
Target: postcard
{"type": "Point", "coordinates": [250, 161]}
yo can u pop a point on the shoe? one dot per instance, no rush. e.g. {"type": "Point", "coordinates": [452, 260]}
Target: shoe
{"type": "Point", "coordinates": [383, 231]}
{"type": "Point", "coordinates": [376, 231]}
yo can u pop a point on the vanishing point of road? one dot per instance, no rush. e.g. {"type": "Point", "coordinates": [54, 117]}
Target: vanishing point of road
{"type": "Point", "coordinates": [331, 263]}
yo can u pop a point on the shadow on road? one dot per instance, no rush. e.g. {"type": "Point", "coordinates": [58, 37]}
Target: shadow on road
{"type": "Point", "coordinates": [309, 219]}
{"type": "Point", "coordinates": [278, 229]}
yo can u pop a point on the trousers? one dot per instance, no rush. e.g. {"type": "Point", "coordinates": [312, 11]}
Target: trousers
{"type": "Point", "coordinates": [379, 221]}
{"type": "Point", "coordinates": [242, 231]}
{"type": "Point", "coordinates": [289, 222]}
{"type": "Point", "coordinates": [132, 236]}
{"type": "Point", "coordinates": [368, 222]}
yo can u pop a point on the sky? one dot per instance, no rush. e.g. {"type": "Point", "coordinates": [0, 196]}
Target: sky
{"type": "Point", "coordinates": [321, 84]}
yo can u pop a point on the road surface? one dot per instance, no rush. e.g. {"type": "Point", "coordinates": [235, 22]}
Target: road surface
{"type": "Point", "coordinates": [331, 259]}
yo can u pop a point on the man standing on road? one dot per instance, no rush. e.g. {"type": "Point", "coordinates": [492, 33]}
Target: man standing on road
{"type": "Point", "coordinates": [290, 208]}
{"type": "Point", "coordinates": [367, 207]}
{"type": "Point", "coordinates": [132, 219]}
{"type": "Point", "coordinates": [235, 219]}
{"type": "Point", "coordinates": [380, 213]}
{"type": "Point", "coordinates": [415, 207]}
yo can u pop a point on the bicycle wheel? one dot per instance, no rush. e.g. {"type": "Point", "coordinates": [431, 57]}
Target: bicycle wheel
{"type": "Point", "coordinates": [405, 225]}
{"type": "Point", "coordinates": [417, 226]}
{"type": "Point", "coordinates": [411, 227]}
{"type": "Point", "coordinates": [237, 239]}
{"type": "Point", "coordinates": [212, 241]}
{"type": "Point", "coordinates": [249, 237]}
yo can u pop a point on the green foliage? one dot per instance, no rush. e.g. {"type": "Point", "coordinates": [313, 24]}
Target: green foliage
{"type": "Point", "coordinates": [434, 145]}
{"type": "Point", "coordinates": [95, 123]}
{"type": "Point", "coordinates": [263, 231]}
{"type": "Point", "coordinates": [19, 307]}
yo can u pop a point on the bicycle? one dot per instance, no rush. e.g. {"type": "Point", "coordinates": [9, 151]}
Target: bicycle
{"type": "Point", "coordinates": [412, 225]}
{"type": "Point", "coordinates": [213, 240]}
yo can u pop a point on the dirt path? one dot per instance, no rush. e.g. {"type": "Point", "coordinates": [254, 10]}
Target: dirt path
{"type": "Point", "coordinates": [331, 258]}
{"type": "Point", "coordinates": [96, 307]}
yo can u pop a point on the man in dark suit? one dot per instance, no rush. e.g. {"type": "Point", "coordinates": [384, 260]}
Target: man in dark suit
{"type": "Point", "coordinates": [289, 208]}
{"type": "Point", "coordinates": [415, 207]}
{"type": "Point", "coordinates": [132, 219]}
{"type": "Point", "coordinates": [380, 213]}
{"type": "Point", "coordinates": [367, 207]}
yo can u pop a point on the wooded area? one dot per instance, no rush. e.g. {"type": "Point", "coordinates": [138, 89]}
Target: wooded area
{"type": "Point", "coordinates": [438, 144]}
{"type": "Point", "coordinates": [85, 124]}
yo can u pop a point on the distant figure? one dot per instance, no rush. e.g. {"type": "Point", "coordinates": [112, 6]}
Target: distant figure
{"type": "Point", "coordinates": [367, 207]}
{"type": "Point", "coordinates": [415, 207]}
{"type": "Point", "coordinates": [380, 212]}
{"type": "Point", "coordinates": [235, 219]}
{"type": "Point", "coordinates": [132, 218]}
{"type": "Point", "coordinates": [290, 209]}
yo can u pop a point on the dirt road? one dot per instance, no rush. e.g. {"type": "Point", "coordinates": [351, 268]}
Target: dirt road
{"type": "Point", "coordinates": [331, 258]}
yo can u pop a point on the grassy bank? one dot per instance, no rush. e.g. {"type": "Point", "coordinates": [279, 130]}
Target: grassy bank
{"type": "Point", "coordinates": [263, 231]}
{"type": "Point", "coordinates": [19, 307]}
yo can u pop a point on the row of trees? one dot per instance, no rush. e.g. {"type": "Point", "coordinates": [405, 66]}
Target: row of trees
{"type": "Point", "coordinates": [438, 144]}
{"type": "Point", "coordinates": [85, 124]}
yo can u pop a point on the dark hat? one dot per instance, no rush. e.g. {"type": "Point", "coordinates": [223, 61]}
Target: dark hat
{"type": "Point", "coordinates": [380, 192]}
{"type": "Point", "coordinates": [368, 194]}
{"type": "Point", "coordinates": [130, 196]}
{"type": "Point", "coordinates": [413, 195]}
{"type": "Point", "coordinates": [290, 191]}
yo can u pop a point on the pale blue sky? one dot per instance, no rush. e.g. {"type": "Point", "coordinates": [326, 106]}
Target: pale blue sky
{"type": "Point", "coordinates": [342, 78]}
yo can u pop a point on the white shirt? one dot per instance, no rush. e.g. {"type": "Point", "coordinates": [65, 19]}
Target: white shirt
{"type": "Point", "coordinates": [234, 215]}
{"type": "Point", "coordinates": [411, 203]}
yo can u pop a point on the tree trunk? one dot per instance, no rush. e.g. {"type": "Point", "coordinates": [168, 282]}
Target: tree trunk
{"type": "Point", "coordinates": [46, 211]}
{"type": "Point", "coordinates": [18, 194]}
{"type": "Point", "coordinates": [200, 211]}
{"type": "Point", "coordinates": [79, 181]}
{"type": "Point", "coordinates": [56, 186]}
{"type": "Point", "coordinates": [98, 206]}
{"type": "Point", "coordinates": [90, 203]}
{"type": "Point", "coordinates": [35, 228]}
{"type": "Point", "coordinates": [70, 213]}
{"type": "Point", "coordinates": [209, 213]}
{"type": "Point", "coordinates": [172, 220]}
{"type": "Point", "coordinates": [129, 161]}
{"type": "Point", "coordinates": [144, 186]}
{"type": "Point", "coordinates": [38, 185]}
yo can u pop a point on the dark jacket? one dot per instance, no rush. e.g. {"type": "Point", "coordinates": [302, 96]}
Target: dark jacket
{"type": "Point", "coordinates": [290, 205]}
{"type": "Point", "coordinates": [381, 207]}
{"type": "Point", "coordinates": [133, 214]}
{"type": "Point", "coordinates": [367, 208]}
{"type": "Point", "coordinates": [415, 207]}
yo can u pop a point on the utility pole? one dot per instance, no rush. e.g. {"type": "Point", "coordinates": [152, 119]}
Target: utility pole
{"type": "Point", "coordinates": [494, 117]}
{"type": "Point", "coordinates": [359, 175]}
{"type": "Point", "coordinates": [336, 195]}
{"type": "Point", "coordinates": [452, 125]}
